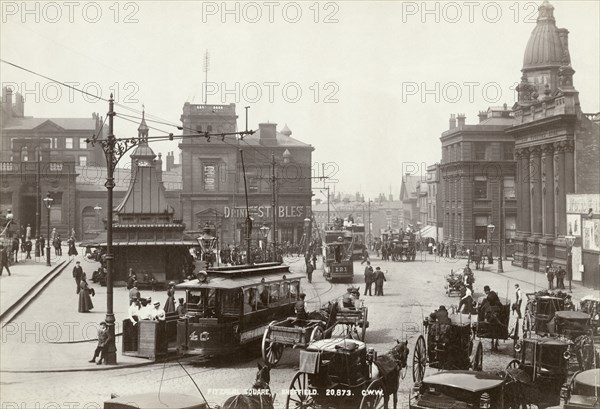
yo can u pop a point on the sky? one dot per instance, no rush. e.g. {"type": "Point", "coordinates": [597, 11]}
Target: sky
{"type": "Point", "coordinates": [370, 84]}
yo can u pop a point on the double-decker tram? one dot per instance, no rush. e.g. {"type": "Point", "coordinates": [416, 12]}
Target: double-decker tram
{"type": "Point", "coordinates": [358, 239]}
{"type": "Point", "coordinates": [337, 254]}
{"type": "Point", "coordinates": [229, 307]}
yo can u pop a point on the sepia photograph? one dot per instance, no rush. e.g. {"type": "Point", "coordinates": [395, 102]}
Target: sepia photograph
{"type": "Point", "coordinates": [300, 204]}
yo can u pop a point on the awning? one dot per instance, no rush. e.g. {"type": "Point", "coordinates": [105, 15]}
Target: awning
{"type": "Point", "coordinates": [427, 231]}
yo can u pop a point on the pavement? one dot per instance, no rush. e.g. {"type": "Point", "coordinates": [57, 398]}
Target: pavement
{"type": "Point", "coordinates": [52, 336]}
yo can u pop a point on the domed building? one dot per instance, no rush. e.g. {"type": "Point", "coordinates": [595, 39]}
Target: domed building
{"type": "Point", "coordinates": [558, 159]}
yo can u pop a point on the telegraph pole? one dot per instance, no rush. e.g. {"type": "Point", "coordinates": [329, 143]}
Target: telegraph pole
{"type": "Point", "coordinates": [274, 206]}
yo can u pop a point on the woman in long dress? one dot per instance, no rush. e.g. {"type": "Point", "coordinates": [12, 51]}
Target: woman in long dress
{"type": "Point", "coordinates": [170, 304]}
{"type": "Point", "coordinates": [85, 301]}
{"type": "Point", "coordinates": [72, 248]}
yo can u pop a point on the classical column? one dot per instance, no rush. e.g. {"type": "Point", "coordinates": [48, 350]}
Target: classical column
{"type": "Point", "coordinates": [535, 184]}
{"type": "Point", "coordinates": [548, 190]}
{"type": "Point", "coordinates": [524, 191]}
{"type": "Point", "coordinates": [518, 195]}
{"type": "Point", "coordinates": [560, 200]}
{"type": "Point", "coordinates": [569, 167]}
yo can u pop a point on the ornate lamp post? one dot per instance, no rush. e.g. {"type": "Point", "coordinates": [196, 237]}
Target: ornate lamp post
{"type": "Point", "coordinates": [306, 232]}
{"type": "Point", "coordinates": [48, 200]}
{"type": "Point", "coordinates": [98, 209]}
{"type": "Point", "coordinates": [265, 232]}
{"type": "Point", "coordinates": [207, 243]}
{"type": "Point", "coordinates": [490, 231]}
{"type": "Point", "coordinates": [570, 242]}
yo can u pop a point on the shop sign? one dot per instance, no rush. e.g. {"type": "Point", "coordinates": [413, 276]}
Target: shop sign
{"type": "Point", "coordinates": [261, 212]}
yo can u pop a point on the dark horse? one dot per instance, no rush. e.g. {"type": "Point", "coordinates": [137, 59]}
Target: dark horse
{"type": "Point", "coordinates": [327, 314]}
{"type": "Point", "coordinates": [258, 397]}
{"type": "Point", "coordinates": [388, 368]}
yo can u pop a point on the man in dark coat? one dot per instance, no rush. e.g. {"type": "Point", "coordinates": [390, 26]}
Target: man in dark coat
{"type": "Point", "coordinates": [77, 273]}
{"type": "Point", "coordinates": [42, 242]}
{"type": "Point", "coordinates": [440, 316]}
{"type": "Point", "coordinates": [131, 279]}
{"type": "Point", "coordinates": [369, 278]}
{"type": "Point", "coordinates": [379, 279]}
{"type": "Point", "coordinates": [28, 248]}
{"type": "Point", "coordinates": [14, 252]}
{"type": "Point", "coordinates": [3, 260]}
{"type": "Point", "coordinates": [309, 271]}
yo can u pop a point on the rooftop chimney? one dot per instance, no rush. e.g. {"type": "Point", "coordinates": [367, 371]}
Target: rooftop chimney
{"type": "Point", "coordinates": [8, 102]}
{"type": "Point", "coordinates": [461, 119]}
{"type": "Point", "coordinates": [482, 116]}
{"type": "Point", "coordinates": [452, 121]}
{"type": "Point", "coordinates": [268, 133]}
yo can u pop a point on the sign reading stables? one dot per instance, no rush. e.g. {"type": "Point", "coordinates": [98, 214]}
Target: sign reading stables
{"type": "Point", "coordinates": [284, 212]}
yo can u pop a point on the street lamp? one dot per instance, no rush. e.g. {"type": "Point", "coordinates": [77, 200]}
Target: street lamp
{"type": "Point", "coordinates": [48, 200]}
{"type": "Point", "coordinates": [570, 242]}
{"type": "Point", "coordinates": [306, 232]}
{"type": "Point", "coordinates": [265, 232]}
{"type": "Point", "coordinates": [490, 231]}
{"type": "Point", "coordinates": [98, 209]}
{"type": "Point", "coordinates": [207, 243]}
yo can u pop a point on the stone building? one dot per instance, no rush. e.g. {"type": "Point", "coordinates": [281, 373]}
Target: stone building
{"type": "Point", "coordinates": [477, 180]}
{"type": "Point", "coordinates": [409, 196]}
{"type": "Point", "coordinates": [556, 147]}
{"type": "Point", "coordinates": [435, 215]}
{"type": "Point", "coordinates": [213, 181]}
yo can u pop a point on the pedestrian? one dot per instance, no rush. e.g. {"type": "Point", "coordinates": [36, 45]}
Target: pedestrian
{"type": "Point", "coordinates": [430, 247]}
{"type": "Point", "coordinates": [369, 276]}
{"type": "Point", "coordinates": [560, 278]}
{"type": "Point", "coordinates": [28, 248]}
{"type": "Point", "coordinates": [170, 303]}
{"type": "Point", "coordinates": [3, 260]}
{"type": "Point", "coordinates": [85, 301]}
{"type": "Point", "coordinates": [158, 314]}
{"type": "Point", "coordinates": [77, 274]}
{"type": "Point", "coordinates": [181, 308]}
{"type": "Point", "coordinates": [42, 244]}
{"type": "Point", "coordinates": [365, 255]}
{"type": "Point", "coordinates": [134, 293]}
{"type": "Point", "coordinates": [314, 260]}
{"type": "Point", "coordinates": [14, 251]}
{"type": "Point", "coordinates": [384, 252]}
{"type": "Point", "coordinates": [466, 300]}
{"type": "Point", "coordinates": [550, 276]}
{"type": "Point", "coordinates": [379, 279]}
{"type": "Point", "coordinates": [72, 248]}
{"type": "Point", "coordinates": [56, 245]}
{"type": "Point", "coordinates": [28, 232]}
{"type": "Point", "coordinates": [100, 351]}
{"type": "Point", "coordinates": [516, 307]}
{"type": "Point", "coordinates": [131, 279]}
{"type": "Point", "coordinates": [309, 271]}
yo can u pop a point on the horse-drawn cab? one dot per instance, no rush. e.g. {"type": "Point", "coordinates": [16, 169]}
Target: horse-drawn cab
{"type": "Point", "coordinates": [541, 370]}
{"type": "Point", "coordinates": [582, 391]}
{"type": "Point", "coordinates": [540, 310]}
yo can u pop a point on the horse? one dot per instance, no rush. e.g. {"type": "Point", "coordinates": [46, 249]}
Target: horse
{"type": "Point", "coordinates": [327, 314]}
{"type": "Point", "coordinates": [258, 397]}
{"type": "Point", "coordinates": [387, 368]}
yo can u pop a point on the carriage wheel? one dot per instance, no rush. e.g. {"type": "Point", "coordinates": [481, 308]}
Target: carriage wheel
{"type": "Point", "coordinates": [316, 334]}
{"type": "Point", "coordinates": [373, 396]}
{"type": "Point", "coordinates": [477, 362]}
{"type": "Point", "coordinates": [419, 359]}
{"type": "Point", "coordinates": [271, 351]}
{"type": "Point", "coordinates": [365, 322]}
{"type": "Point", "coordinates": [298, 396]}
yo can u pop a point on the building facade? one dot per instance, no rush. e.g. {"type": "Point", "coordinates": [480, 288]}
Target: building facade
{"type": "Point", "coordinates": [435, 215]}
{"type": "Point", "coordinates": [477, 181]}
{"type": "Point", "coordinates": [409, 196]}
{"type": "Point", "coordinates": [557, 150]}
{"type": "Point", "coordinates": [213, 182]}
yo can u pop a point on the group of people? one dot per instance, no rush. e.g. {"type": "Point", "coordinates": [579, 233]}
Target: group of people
{"type": "Point", "coordinates": [376, 277]}
{"type": "Point", "coordinates": [559, 273]}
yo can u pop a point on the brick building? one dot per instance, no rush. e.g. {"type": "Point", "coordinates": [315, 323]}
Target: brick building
{"type": "Point", "coordinates": [213, 182]}
{"type": "Point", "coordinates": [477, 179]}
{"type": "Point", "coordinates": [409, 196]}
{"type": "Point", "coordinates": [435, 214]}
{"type": "Point", "coordinates": [557, 150]}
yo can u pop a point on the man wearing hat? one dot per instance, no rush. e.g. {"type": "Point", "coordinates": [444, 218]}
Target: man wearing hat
{"type": "Point", "coordinates": [369, 277]}
{"type": "Point", "coordinates": [77, 273]}
{"type": "Point", "coordinates": [379, 279]}
{"type": "Point", "coordinates": [145, 312]}
{"type": "Point", "coordinates": [102, 343]}
{"type": "Point", "coordinates": [181, 308]}
{"type": "Point", "coordinates": [134, 292]}
{"type": "Point", "coordinates": [158, 314]}
{"type": "Point", "coordinates": [440, 316]}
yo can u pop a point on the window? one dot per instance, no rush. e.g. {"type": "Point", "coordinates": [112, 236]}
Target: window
{"type": "Point", "coordinates": [68, 143]}
{"type": "Point", "coordinates": [480, 149]}
{"type": "Point", "coordinates": [510, 227]}
{"type": "Point", "coordinates": [83, 161]}
{"type": "Point", "coordinates": [480, 233]}
{"type": "Point", "coordinates": [480, 188]}
{"type": "Point", "coordinates": [509, 187]}
{"type": "Point", "coordinates": [82, 143]}
{"type": "Point", "coordinates": [210, 177]}
{"type": "Point", "coordinates": [24, 154]}
{"type": "Point", "coordinates": [508, 151]}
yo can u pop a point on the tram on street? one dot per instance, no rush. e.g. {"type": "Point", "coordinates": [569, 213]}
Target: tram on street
{"type": "Point", "coordinates": [337, 256]}
{"type": "Point", "coordinates": [229, 307]}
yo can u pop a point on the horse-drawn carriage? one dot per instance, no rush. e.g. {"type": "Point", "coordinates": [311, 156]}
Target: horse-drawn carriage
{"type": "Point", "coordinates": [343, 373]}
{"type": "Point", "coordinates": [492, 321]}
{"type": "Point", "coordinates": [540, 310]}
{"type": "Point", "coordinates": [541, 370]}
{"type": "Point", "coordinates": [354, 319]}
{"type": "Point", "coordinates": [582, 391]}
{"type": "Point", "coordinates": [448, 346]}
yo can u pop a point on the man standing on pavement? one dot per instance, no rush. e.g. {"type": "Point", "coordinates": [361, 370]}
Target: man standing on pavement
{"type": "Point", "coordinates": [309, 270]}
{"type": "Point", "coordinates": [42, 244]}
{"type": "Point", "coordinates": [28, 247]}
{"type": "Point", "coordinates": [77, 273]}
{"type": "Point", "coordinates": [560, 278]}
{"type": "Point", "coordinates": [3, 260]}
{"type": "Point", "coordinates": [550, 276]}
{"type": "Point", "coordinates": [102, 343]}
{"type": "Point", "coordinates": [369, 276]}
{"type": "Point", "coordinates": [379, 279]}
{"type": "Point", "coordinates": [134, 293]}
{"type": "Point", "coordinates": [518, 301]}
{"type": "Point", "coordinates": [365, 255]}
{"type": "Point", "coordinates": [131, 279]}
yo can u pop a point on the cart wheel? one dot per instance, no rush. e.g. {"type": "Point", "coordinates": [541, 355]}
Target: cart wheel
{"type": "Point", "coordinates": [477, 362]}
{"type": "Point", "coordinates": [365, 324]}
{"type": "Point", "coordinates": [299, 395]}
{"type": "Point", "coordinates": [271, 351]}
{"type": "Point", "coordinates": [419, 359]}
{"type": "Point", "coordinates": [316, 334]}
{"type": "Point", "coordinates": [373, 396]}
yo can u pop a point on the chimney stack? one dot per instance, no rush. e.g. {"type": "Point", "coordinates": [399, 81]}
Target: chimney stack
{"type": "Point", "coordinates": [452, 121]}
{"type": "Point", "coordinates": [170, 161]}
{"type": "Point", "coordinates": [268, 133]}
{"type": "Point", "coordinates": [461, 119]}
{"type": "Point", "coordinates": [482, 116]}
{"type": "Point", "coordinates": [8, 102]}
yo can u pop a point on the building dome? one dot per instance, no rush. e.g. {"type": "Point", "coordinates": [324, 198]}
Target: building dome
{"type": "Point", "coordinates": [143, 151]}
{"type": "Point", "coordinates": [546, 47]}
{"type": "Point", "coordinates": [286, 131]}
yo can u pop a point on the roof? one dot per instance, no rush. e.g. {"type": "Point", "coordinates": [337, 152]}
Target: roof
{"type": "Point", "coordinates": [545, 47]}
{"type": "Point", "coordinates": [64, 123]}
{"type": "Point", "coordinates": [408, 190]}
{"type": "Point", "coordinates": [155, 400]}
{"type": "Point", "coordinates": [146, 195]}
{"type": "Point", "coordinates": [335, 345]}
{"type": "Point", "coordinates": [225, 282]}
{"type": "Point", "coordinates": [590, 378]}
{"type": "Point", "coordinates": [572, 315]}
{"type": "Point", "coordinates": [282, 140]}
{"type": "Point", "coordinates": [471, 381]}
{"type": "Point", "coordinates": [427, 231]}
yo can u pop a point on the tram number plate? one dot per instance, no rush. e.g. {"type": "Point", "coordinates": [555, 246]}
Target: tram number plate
{"type": "Point", "coordinates": [341, 269]}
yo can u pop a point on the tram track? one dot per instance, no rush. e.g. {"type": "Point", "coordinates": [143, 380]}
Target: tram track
{"type": "Point", "coordinates": [30, 295]}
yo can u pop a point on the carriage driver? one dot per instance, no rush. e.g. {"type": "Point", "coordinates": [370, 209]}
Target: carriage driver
{"type": "Point", "coordinates": [440, 316]}
{"type": "Point", "coordinates": [300, 307]}
{"type": "Point", "coordinates": [348, 298]}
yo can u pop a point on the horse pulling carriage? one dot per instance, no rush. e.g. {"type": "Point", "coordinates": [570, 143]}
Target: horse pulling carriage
{"type": "Point", "coordinates": [492, 322]}
{"type": "Point", "coordinates": [354, 319]}
{"type": "Point", "coordinates": [343, 373]}
{"type": "Point", "coordinates": [448, 346]}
